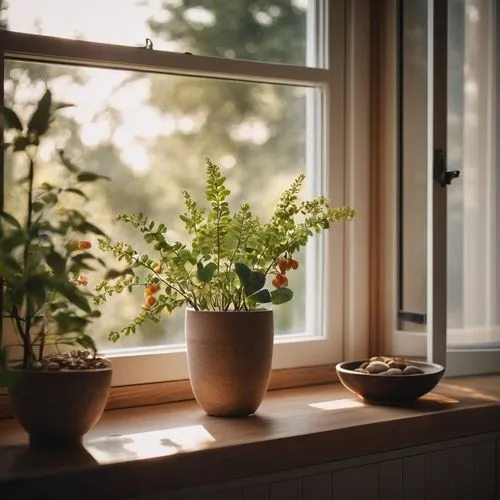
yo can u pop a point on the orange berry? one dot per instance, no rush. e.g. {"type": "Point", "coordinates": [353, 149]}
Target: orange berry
{"type": "Point", "coordinates": [157, 269]}
{"type": "Point", "coordinates": [150, 300]}
{"type": "Point", "coordinates": [280, 281]}
{"type": "Point", "coordinates": [82, 280]}
{"type": "Point", "coordinates": [295, 264]}
{"type": "Point", "coordinates": [84, 244]}
{"type": "Point", "coordinates": [153, 288]}
{"type": "Point", "coordinates": [282, 266]}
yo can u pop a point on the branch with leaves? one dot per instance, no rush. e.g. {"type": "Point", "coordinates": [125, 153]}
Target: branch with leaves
{"type": "Point", "coordinates": [230, 256]}
{"type": "Point", "coordinates": [43, 259]}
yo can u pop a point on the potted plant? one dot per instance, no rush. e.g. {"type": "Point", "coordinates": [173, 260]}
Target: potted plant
{"type": "Point", "coordinates": [221, 277]}
{"type": "Point", "coordinates": [44, 254]}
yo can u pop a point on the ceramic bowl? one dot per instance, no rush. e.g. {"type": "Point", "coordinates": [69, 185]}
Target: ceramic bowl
{"type": "Point", "coordinates": [389, 388]}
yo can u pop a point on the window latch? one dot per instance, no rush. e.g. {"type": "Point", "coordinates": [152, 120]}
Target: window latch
{"type": "Point", "coordinates": [412, 317]}
{"type": "Point", "coordinates": [441, 175]}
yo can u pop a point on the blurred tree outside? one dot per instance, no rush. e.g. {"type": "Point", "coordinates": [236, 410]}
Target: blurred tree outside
{"type": "Point", "coordinates": [151, 133]}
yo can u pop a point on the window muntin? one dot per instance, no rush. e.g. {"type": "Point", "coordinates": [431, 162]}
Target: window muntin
{"type": "Point", "coordinates": [278, 31]}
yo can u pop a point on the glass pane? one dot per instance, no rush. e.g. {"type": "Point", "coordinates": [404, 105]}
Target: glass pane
{"type": "Point", "coordinates": [473, 202]}
{"type": "Point", "coordinates": [150, 133]}
{"type": "Point", "coordinates": [413, 169]}
{"type": "Point", "coordinates": [274, 31]}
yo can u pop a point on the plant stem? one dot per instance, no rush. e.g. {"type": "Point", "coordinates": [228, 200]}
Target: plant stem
{"type": "Point", "coordinates": [29, 304]}
{"type": "Point", "coordinates": [42, 343]}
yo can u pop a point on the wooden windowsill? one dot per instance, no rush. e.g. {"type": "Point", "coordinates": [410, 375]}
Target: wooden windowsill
{"type": "Point", "coordinates": [171, 446]}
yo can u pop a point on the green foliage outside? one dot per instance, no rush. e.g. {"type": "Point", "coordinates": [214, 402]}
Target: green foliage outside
{"type": "Point", "coordinates": [260, 166]}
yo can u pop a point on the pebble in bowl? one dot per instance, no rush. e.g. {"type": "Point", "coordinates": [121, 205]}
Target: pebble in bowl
{"type": "Point", "coordinates": [384, 379]}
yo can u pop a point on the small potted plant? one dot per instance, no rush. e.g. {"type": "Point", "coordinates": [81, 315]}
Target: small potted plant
{"type": "Point", "coordinates": [44, 254]}
{"type": "Point", "coordinates": [221, 277]}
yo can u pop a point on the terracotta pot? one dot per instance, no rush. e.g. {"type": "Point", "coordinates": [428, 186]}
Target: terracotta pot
{"type": "Point", "coordinates": [229, 359]}
{"type": "Point", "coordinates": [59, 407]}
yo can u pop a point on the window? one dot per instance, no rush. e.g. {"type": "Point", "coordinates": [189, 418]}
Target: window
{"type": "Point", "coordinates": [260, 92]}
{"type": "Point", "coordinates": [466, 223]}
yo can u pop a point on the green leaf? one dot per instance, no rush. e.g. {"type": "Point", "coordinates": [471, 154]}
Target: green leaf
{"type": "Point", "coordinates": [87, 342]}
{"type": "Point", "coordinates": [10, 219]}
{"type": "Point", "coordinates": [281, 295]}
{"type": "Point", "coordinates": [252, 281]}
{"type": "Point", "coordinates": [37, 206]}
{"type": "Point", "coordinates": [262, 296]}
{"type": "Point", "coordinates": [11, 120]}
{"type": "Point", "coordinates": [91, 177]}
{"type": "Point", "coordinates": [88, 227]}
{"type": "Point", "coordinates": [60, 105]}
{"type": "Point", "coordinates": [68, 322]}
{"type": "Point", "coordinates": [40, 120]}
{"type": "Point", "coordinates": [80, 257]}
{"type": "Point", "coordinates": [21, 143]}
{"type": "Point", "coordinates": [9, 267]}
{"type": "Point", "coordinates": [36, 287]}
{"type": "Point", "coordinates": [15, 239]}
{"type": "Point", "coordinates": [79, 192]}
{"type": "Point", "coordinates": [116, 273]}
{"type": "Point", "coordinates": [67, 163]}
{"type": "Point", "coordinates": [206, 273]}
{"type": "Point", "coordinates": [72, 293]}
{"type": "Point", "coordinates": [50, 199]}
{"type": "Point", "coordinates": [56, 262]}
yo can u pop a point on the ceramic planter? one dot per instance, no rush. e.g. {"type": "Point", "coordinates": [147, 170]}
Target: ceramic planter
{"type": "Point", "coordinates": [59, 407]}
{"type": "Point", "coordinates": [229, 359]}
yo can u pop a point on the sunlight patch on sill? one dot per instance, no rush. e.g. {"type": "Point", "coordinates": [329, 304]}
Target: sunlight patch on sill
{"type": "Point", "coordinates": [470, 392]}
{"type": "Point", "coordinates": [432, 396]}
{"type": "Point", "coordinates": [142, 445]}
{"type": "Point", "coordinates": [337, 404]}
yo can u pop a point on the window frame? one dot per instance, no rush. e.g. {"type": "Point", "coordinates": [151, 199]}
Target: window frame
{"type": "Point", "coordinates": [345, 116]}
{"type": "Point", "coordinates": [459, 360]}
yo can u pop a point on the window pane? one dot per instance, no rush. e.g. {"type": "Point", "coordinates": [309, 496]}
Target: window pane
{"type": "Point", "coordinates": [150, 133]}
{"type": "Point", "coordinates": [473, 203]}
{"type": "Point", "coordinates": [274, 31]}
{"type": "Point", "coordinates": [413, 169]}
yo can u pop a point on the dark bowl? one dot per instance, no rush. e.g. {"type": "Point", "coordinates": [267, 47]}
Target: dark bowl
{"type": "Point", "coordinates": [389, 388]}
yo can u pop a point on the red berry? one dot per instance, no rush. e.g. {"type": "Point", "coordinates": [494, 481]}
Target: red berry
{"type": "Point", "coordinates": [150, 300]}
{"type": "Point", "coordinates": [282, 266]}
{"type": "Point", "coordinates": [84, 244]}
{"type": "Point", "coordinates": [295, 264]}
{"type": "Point", "coordinates": [281, 280]}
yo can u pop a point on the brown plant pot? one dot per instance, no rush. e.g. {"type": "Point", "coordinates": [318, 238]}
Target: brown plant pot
{"type": "Point", "coordinates": [229, 359]}
{"type": "Point", "coordinates": [59, 407]}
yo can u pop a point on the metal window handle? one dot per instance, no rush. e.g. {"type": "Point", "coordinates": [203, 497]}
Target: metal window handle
{"type": "Point", "coordinates": [441, 175]}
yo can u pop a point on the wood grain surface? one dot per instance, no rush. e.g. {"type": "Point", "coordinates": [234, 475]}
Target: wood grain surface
{"type": "Point", "coordinates": [171, 446]}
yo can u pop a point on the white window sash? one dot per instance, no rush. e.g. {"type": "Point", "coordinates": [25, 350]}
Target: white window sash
{"type": "Point", "coordinates": [326, 307]}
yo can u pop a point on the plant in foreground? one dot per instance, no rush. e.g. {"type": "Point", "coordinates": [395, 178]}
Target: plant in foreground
{"type": "Point", "coordinates": [230, 255]}
{"type": "Point", "coordinates": [43, 259]}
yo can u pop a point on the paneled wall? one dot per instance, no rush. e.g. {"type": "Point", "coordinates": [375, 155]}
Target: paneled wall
{"type": "Point", "coordinates": [462, 469]}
